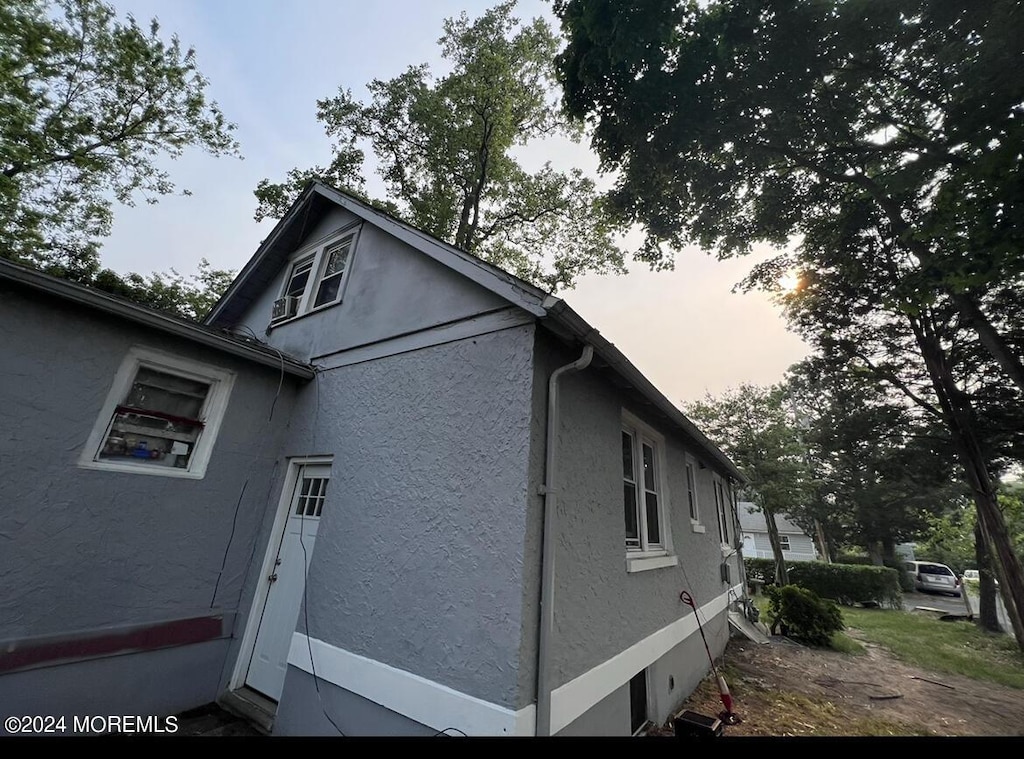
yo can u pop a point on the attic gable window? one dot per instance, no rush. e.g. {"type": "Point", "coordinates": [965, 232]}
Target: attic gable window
{"type": "Point", "coordinates": [161, 416]}
{"type": "Point", "coordinates": [299, 278]}
{"type": "Point", "coordinates": [316, 276]}
{"type": "Point", "coordinates": [336, 260]}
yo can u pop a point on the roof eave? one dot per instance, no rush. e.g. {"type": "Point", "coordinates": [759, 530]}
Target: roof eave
{"type": "Point", "coordinates": [564, 316]}
{"type": "Point", "coordinates": [140, 315]}
{"type": "Point", "coordinates": [240, 280]}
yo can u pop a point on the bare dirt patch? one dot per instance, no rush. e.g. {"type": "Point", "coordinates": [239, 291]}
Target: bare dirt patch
{"type": "Point", "coordinates": [787, 690]}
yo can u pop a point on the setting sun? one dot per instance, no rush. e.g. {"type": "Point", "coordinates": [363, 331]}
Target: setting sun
{"type": "Point", "coordinates": [789, 282]}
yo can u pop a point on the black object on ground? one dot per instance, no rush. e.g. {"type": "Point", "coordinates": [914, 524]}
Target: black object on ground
{"type": "Point", "coordinates": [695, 725]}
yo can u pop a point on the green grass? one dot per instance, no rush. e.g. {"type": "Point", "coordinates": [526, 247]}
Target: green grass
{"type": "Point", "coordinates": [844, 644]}
{"type": "Point", "coordinates": [956, 647]}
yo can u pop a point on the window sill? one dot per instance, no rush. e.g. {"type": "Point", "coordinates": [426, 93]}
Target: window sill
{"type": "Point", "coordinates": [156, 471]}
{"type": "Point", "coordinates": [281, 322]}
{"type": "Point", "coordinates": [643, 562]}
{"type": "Point", "coordinates": [728, 551]}
{"type": "Point", "coordinates": [697, 527]}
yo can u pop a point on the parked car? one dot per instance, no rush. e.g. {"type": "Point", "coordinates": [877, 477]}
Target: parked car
{"type": "Point", "coordinates": [972, 576]}
{"type": "Point", "coordinates": [929, 576]}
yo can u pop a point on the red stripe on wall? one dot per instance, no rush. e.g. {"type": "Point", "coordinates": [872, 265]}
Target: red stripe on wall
{"type": "Point", "coordinates": [179, 632]}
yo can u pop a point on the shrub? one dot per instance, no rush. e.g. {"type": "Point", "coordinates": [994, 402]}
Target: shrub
{"type": "Point", "coordinates": [760, 570]}
{"type": "Point", "coordinates": [803, 615]}
{"type": "Point", "coordinates": [849, 583]}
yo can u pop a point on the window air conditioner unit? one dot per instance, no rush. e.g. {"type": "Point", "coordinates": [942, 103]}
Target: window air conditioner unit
{"type": "Point", "coordinates": [284, 308]}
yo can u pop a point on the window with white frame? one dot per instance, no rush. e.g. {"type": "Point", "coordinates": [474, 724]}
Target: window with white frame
{"type": "Point", "coordinates": [784, 542]}
{"type": "Point", "coordinates": [161, 416]}
{"type": "Point", "coordinates": [642, 489]}
{"type": "Point", "coordinates": [316, 276]}
{"type": "Point", "coordinates": [691, 492]}
{"type": "Point", "coordinates": [722, 508]}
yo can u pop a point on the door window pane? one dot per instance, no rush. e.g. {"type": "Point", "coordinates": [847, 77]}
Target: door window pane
{"type": "Point", "coordinates": [310, 501]}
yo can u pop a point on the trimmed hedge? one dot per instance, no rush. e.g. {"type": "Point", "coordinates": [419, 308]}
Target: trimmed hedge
{"type": "Point", "coordinates": [852, 558]}
{"type": "Point", "coordinates": [848, 558]}
{"type": "Point", "coordinates": [850, 583]}
{"type": "Point", "coordinates": [760, 570]}
{"type": "Point", "coordinates": [847, 584]}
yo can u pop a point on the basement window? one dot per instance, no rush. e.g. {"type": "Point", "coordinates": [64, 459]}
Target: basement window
{"type": "Point", "coordinates": [638, 702]}
{"type": "Point", "coordinates": [161, 416]}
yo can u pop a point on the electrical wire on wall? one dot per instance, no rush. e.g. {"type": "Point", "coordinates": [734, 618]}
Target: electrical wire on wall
{"type": "Point", "coordinates": [305, 565]}
{"type": "Point", "coordinates": [305, 578]}
{"type": "Point", "coordinates": [245, 484]}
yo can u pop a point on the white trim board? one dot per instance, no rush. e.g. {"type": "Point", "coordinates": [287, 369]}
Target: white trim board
{"type": "Point", "coordinates": [425, 701]}
{"type": "Point", "coordinates": [574, 698]}
{"type": "Point", "coordinates": [506, 318]}
{"type": "Point", "coordinates": [438, 706]}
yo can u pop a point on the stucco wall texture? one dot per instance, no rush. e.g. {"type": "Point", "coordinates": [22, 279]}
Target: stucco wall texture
{"type": "Point", "coordinates": [391, 290]}
{"type": "Point", "coordinates": [83, 550]}
{"type": "Point", "coordinates": [600, 609]}
{"type": "Point", "coordinates": [419, 554]}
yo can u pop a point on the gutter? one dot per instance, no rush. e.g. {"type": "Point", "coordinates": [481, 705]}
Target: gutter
{"type": "Point", "coordinates": [140, 315]}
{"type": "Point", "coordinates": [547, 571]}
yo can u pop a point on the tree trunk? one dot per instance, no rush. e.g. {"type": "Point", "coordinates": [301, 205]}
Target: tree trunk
{"type": "Point", "coordinates": [819, 534]}
{"type": "Point", "coordinates": [988, 616]}
{"type": "Point", "coordinates": [462, 238]}
{"type": "Point", "coordinates": [781, 573]}
{"type": "Point", "coordinates": [993, 342]}
{"type": "Point", "coordinates": [959, 417]}
{"type": "Point", "coordinates": [875, 552]}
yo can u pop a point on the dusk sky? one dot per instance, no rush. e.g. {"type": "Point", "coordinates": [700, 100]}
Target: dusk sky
{"type": "Point", "coordinates": [269, 61]}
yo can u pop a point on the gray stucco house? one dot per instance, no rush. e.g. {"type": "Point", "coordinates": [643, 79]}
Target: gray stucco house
{"type": "Point", "coordinates": [797, 545]}
{"type": "Point", "coordinates": [386, 488]}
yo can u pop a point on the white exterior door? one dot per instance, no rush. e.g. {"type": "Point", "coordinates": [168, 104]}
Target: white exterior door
{"type": "Point", "coordinates": [269, 661]}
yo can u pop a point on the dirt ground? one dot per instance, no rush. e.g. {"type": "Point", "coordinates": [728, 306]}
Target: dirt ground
{"type": "Point", "coordinates": [783, 689]}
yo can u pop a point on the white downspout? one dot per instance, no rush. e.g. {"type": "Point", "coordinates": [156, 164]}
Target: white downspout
{"type": "Point", "coordinates": [547, 562]}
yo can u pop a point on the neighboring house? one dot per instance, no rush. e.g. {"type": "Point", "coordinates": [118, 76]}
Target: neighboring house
{"type": "Point", "coordinates": [352, 526]}
{"type": "Point", "coordinates": [796, 544]}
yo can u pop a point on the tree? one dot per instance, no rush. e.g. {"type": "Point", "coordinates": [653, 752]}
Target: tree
{"type": "Point", "coordinates": [754, 426]}
{"type": "Point", "coordinates": [885, 137]}
{"type": "Point", "coordinates": [858, 305]}
{"type": "Point", "coordinates": [188, 297]}
{"type": "Point", "coordinates": [754, 120]}
{"type": "Point", "coordinates": [881, 468]}
{"type": "Point", "coordinates": [445, 149]}
{"type": "Point", "coordinates": [955, 538]}
{"type": "Point", "coordinates": [88, 104]}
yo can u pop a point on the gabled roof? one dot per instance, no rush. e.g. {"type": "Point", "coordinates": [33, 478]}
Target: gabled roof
{"type": "Point", "coordinates": [551, 312]}
{"type": "Point", "coordinates": [158, 320]}
{"type": "Point", "coordinates": [314, 202]}
{"type": "Point", "coordinates": [752, 520]}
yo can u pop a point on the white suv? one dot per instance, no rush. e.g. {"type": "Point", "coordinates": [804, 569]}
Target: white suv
{"type": "Point", "coordinates": [932, 577]}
